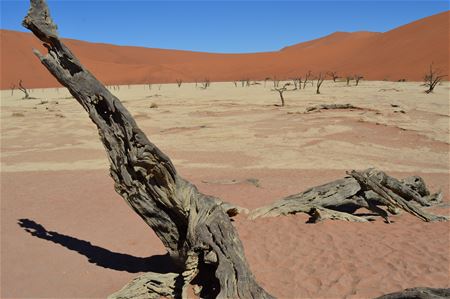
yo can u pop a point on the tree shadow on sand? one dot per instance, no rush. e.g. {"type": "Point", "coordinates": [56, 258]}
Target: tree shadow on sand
{"type": "Point", "coordinates": [100, 256]}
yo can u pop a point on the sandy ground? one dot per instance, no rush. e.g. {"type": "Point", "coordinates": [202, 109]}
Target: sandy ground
{"type": "Point", "coordinates": [66, 234]}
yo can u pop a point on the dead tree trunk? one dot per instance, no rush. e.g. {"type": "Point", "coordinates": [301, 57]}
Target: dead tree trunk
{"type": "Point", "coordinates": [24, 90]}
{"type": "Point", "coordinates": [307, 76]}
{"type": "Point", "coordinates": [13, 87]}
{"type": "Point", "coordinates": [357, 79]}
{"type": "Point", "coordinates": [348, 79]}
{"type": "Point", "coordinates": [280, 92]}
{"type": "Point", "coordinates": [333, 75]}
{"type": "Point", "coordinates": [194, 228]}
{"type": "Point", "coordinates": [367, 189]}
{"type": "Point", "coordinates": [319, 83]}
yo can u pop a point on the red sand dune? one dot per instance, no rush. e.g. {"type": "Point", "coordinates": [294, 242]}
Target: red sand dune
{"type": "Point", "coordinates": [402, 53]}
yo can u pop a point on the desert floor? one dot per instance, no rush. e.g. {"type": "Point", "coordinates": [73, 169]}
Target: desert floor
{"type": "Point", "coordinates": [87, 243]}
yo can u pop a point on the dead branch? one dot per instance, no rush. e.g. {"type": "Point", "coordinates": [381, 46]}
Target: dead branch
{"type": "Point", "coordinates": [348, 79]}
{"type": "Point", "coordinates": [179, 82]}
{"type": "Point", "coordinates": [333, 75]}
{"type": "Point", "coordinates": [432, 78]}
{"type": "Point", "coordinates": [357, 79]}
{"type": "Point", "coordinates": [206, 83]}
{"type": "Point", "coordinates": [24, 90]}
{"type": "Point", "coordinates": [368, 189]}
{"type": "Point", "coordinates": [320, 80]}
{"type": "Point", "coordinates": [281, 91]}
{"type": "Point", "coordinates": [330, 107]}
{"type": "Point", "coordinates": [307, 77]}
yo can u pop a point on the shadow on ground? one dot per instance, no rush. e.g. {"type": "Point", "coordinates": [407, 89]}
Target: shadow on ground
{"type": "Point", "coordinates": [100, 256]}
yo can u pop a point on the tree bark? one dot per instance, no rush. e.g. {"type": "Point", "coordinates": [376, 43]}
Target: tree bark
{"type": "Point", "coordinates": [369, 189]}
{"type": "Point", "coordinates": [193, 227]}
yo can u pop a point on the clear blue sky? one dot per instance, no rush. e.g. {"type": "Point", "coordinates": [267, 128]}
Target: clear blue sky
{"type": "Point", "coordinates": [220, 26]}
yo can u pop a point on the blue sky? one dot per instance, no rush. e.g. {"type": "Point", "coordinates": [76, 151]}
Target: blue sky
{"type": "Point", "coordinates": [220, 26]}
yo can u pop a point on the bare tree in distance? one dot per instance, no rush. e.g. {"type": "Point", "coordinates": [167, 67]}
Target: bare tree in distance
{"type": "Point", "coordinates": [319, 82]}
{"type": "Point", "coordinates": [276, 82]}
{"type": "Point", "coordinates": [297, 81]}
{"type": "Point", "coordinates": [357, 79]}
{"type": "Point", "coordinates": [24, 90]}
{"type": "Point", "coordinates": [179, 82]}
{"type": "Point", "coordinates": [206, 83]}
{"type": "Point", "coordinates": [333, 75]}
{"type": "Point", "coordinates": [265, 80]}
{"type": "Point", "coordinates": [281, 91]}
{"type": "Point", "coordinates": [307, 77]}
{"type": "Point", "coordinates": [13, 87]}
{"type": "Point", "coordinates": [432, 78]}
{"type": "Point", "coordinates": [348, 79]}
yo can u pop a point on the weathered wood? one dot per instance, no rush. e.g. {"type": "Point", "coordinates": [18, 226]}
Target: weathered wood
{"type": "Point", "coordinates": [390, 198]}
{"type": "Point", "coordinates": [191, 225]}
{"type": "Point", "coordinates": [368, 189]}
{"type": "Point", "coordinates": [330, 107]}
{"type": "Point", "coordinates": [321, 214]}
{"type": "Point", "coordinates": [336, 195]}
{"type": "Point", "coordinates": [24, 90]}
{"type": "Point", "coordinates": [418, 293]}
{"type": "Point", "coordinates": [398, 187]}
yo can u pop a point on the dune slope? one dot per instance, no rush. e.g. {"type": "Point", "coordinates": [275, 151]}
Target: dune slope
{"type": "Point", "coordinates": [402, 53]}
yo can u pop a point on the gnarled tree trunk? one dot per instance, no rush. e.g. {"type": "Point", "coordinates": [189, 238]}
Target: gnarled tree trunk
{"type": "Point", "coordinates": [194, 228]}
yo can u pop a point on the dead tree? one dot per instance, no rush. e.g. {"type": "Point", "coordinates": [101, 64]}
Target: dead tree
{"type": "Point", "coordinates": [276, 82]}
{"type": "Point", "coordinates": [195, 228]}
{"type": "Point", "coordinates": [281, 91]}
{"type": "Point", "coordinates": [432, 78]}
{"type": "Point", "coordinates": [357, 79]}
{"type": "Point", "coordinates": [24, 90]}
{"type": "Point", "coordinates": [348, 79]}
{"type": "Point", "coordinates": [265, 81]}
{"type": "Point", "coordinates": [333, 75]}
{"type": "Point", "coordinates": [235, 83]}
{"type": "Point", "coordinates": [13, 87]}
{"type": "Point", "coordinates": [179, 82]}
{"type": "Point", "coordinates": [319, 82]}
{"type": "Point", "coordinates": [206, 83]}
{"type": "Point", "coordinates": [307, 77]}
{"type": "Point", "coordinates": [297, 81]}
{"type": "Point", "coordinates": [368, 189]}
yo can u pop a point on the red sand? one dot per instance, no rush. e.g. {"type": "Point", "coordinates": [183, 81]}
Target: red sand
{"type": "Point", "coordinates": [290, 259]}
{"type": "Point", "coordinates": [402, 53]}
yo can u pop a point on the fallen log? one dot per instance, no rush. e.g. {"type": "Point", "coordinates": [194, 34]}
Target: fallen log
{"type": "Point", "coordinates": [330, 107]}
{"type": "Point", "coordinates": [369, 189]}
{"type": "Point", "coordinates": [193, 227]}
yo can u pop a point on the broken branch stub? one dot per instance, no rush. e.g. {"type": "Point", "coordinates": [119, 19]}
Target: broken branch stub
{"type": "Point", "coordinates": [191, 225]}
